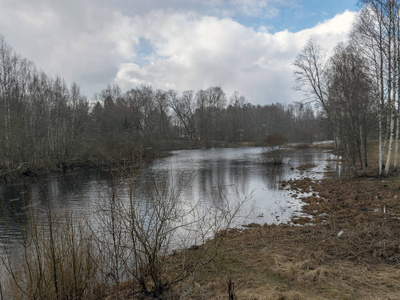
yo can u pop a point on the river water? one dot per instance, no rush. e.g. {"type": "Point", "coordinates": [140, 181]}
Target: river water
{"type": "Point", "coordinates": [212, 176]}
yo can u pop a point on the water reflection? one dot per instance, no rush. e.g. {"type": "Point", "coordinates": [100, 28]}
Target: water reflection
{"type": "Point", "coordinates": [12, 208]}
{"type": "Point", "coordinates": [214, 176]}
{"type": "Point", "coordinates": [221, 173]}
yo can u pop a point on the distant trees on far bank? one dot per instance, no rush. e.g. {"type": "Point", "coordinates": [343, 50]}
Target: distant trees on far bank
{"type": "Point", "coordinates": [160, 120]}
{"type": "Point", "coordinates": [46, 124]}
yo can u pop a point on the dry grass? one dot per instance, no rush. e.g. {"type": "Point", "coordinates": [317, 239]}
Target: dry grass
{"type": "Point", "coordinates": [348, 247]}
{"type": "Point", "coordinates": [306, 166]}
{"type": "Point", "coordinates": [54, 261]}
{"type": "Point", "coordinates": [292, 262]}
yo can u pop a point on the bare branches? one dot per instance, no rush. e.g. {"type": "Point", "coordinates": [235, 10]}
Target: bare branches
{"type": "Point", "coordinates": [310, 73]}
{"type": "Point", "coordinates": [361, 80]}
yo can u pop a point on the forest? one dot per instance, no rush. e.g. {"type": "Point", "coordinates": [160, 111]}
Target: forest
{"type": "Point", "coordinates": [352, 96]}
{"type": "Point", "coordinates": [357, 86]}
{"type": "Point", "coordinates": [48, 125]}
{"type": "Point", "coordinates": [343, 244]}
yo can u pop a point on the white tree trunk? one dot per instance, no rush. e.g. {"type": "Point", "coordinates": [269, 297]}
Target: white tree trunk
{"type": "Point", "coordinates": [362, 151]}
{"type": "Point", "coordinates": [380, 160]}
{"type": "Point", "coordinates": [391, 138]}
{"type": "Point", "coordinates": [396, 143]}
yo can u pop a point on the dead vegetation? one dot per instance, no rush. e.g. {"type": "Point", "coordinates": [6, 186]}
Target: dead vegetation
{"type": "Point", "coordinates": [306, 167]}
{"type": "Point", "coordinates": [350, 248]}
{"type": "Point", "coordinates": [286, 262]}
{"type": "Point", "coordinates": [347, 247]}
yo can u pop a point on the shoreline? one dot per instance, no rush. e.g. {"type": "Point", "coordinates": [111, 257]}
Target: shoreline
{"type": "Point", "coordinates": [49, 167]}
{"type": "Point", "coordinates": [347, 249]}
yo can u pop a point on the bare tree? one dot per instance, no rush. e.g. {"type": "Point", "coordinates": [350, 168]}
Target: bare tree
{"type": "Point", "coordinates": [311, 78]}
{"type": "Point", "coordinates": [184, 108]}
{"type": "Point", "coordinates": [236, 109]}
{"type": "Point", "coordinates": [310, 73]}
{"type": "Point", "coordinates": [351, 102]}
{"type": "Point", "coordinates": [210, 102]}
{"type": "Point", "coordinates": [377, 30]}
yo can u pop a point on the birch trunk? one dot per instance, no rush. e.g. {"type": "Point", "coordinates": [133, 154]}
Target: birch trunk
{"type": "Point", "coordinates": [390, 146]}
{"type": "Point", "coordinates": [362, 151]}
{"type": "Point", "coordinates": [396, 143]}
{"type": "Point", "coordinates": [380, 160]}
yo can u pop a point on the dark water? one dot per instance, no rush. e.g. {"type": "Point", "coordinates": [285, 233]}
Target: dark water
{"type": "Point", "coordinates": [213, 175]}
{"type": "Point", "coordinates": [237, 173]}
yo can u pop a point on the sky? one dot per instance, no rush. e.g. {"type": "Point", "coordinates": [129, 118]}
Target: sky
{"type": "Point", "coordinates": [247, 46]}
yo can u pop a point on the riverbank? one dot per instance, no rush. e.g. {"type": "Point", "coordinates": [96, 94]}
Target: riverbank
{"type": "Point", "coordinates": [106, 162]}
{"type": "Point", "coordinates": [348, 247]}
{"type": "Point", "coordinates": [99, 161]}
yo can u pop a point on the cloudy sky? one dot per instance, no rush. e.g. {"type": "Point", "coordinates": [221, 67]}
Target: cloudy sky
{"type": "Point", "coordinates": [240, 45]}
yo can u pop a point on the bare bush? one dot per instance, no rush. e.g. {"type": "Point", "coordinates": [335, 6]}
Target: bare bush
{"type": "Point", "coordinates": [52, 260]}
{"type": "Point", "coordinates": [138, 243]}
{"type": "Point", "coordinates": [273, 153]}
{"type": "Point", "coordinates": [273, 157]}
{"type": "Point", "coordinates": [147, 224]}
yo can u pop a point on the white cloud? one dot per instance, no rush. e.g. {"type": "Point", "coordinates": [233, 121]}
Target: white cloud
{"type": "Point", "coordinates": [95, 43]}
{"type": "Point", "coordinates": [199, 52]}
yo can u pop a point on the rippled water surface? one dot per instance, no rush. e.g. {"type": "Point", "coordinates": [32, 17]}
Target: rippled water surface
{"type": "Point", "coordinates": [212, 175]}
{"type": "Point", "coordinates": [237, 172]}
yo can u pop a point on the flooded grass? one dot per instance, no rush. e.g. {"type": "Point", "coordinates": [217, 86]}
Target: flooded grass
{"type": "Point", "coordinates": [306, 166]}
{"type": "Point", "coordinates": [348, 247]}
{"type": "Point", "coordinates": [344, 244]}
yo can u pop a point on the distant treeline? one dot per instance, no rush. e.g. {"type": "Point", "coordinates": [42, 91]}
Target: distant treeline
{"type": "Point", "coordinates": [45, 124]}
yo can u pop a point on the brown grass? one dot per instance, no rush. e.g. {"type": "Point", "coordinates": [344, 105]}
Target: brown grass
{"type": "Point", "coordinates": [348, 247]}
{"type": "Point", "coordinates": [299, 262]}
{"type": "Point", "coordinates": [306, 167]}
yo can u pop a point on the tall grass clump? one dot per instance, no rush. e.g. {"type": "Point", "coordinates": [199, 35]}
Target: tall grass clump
{"type": "Point", "coordinates": [52, 259]}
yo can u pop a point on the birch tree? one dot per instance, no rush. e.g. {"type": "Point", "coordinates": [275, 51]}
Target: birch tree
{"type": "Point", "coordinates": [377, 31]}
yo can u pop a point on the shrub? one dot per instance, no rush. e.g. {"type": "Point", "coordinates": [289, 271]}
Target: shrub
{"type": "Point", "coordinates": [275, 140]}
{"type": "Point", "coordinates": [54, 259]}
{"type": "Point", "coordinates": [142, 231]}
{"type": "Point", "coordinates": [273, 154]}
{"type": "Point", "coordinates": [138, 242]}
{"type": "Point", "coordinates": [273, 157]}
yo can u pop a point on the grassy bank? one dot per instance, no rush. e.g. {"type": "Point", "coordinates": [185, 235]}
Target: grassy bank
{"type": "Point", "coordinates": [348, 247]}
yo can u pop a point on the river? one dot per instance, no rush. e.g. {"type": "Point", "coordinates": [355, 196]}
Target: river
{"type": "Point", "coordinates": [212, 176]}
